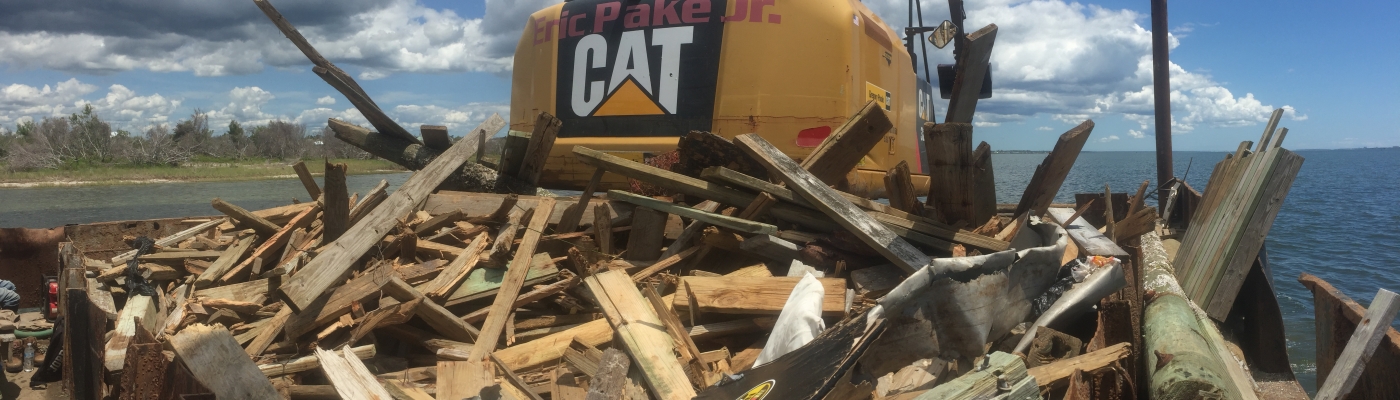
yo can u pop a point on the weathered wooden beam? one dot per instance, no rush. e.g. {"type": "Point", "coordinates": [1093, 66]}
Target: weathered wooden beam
{"type": "Point", "coordinates": [537, 151]}
{"type": "Point", "coordinates": [641, 334]}
{"type": "Point", "coordinates": [1051, 173]}
{"type": "Point", "coordinates": [839, 153]}
{"type": "Point", "coordinates": [574, 214]}
{"type": "Point", "coordinates": [369, 202]}
{"type": "Point", "coordinates": [950, 171]}
{"type": "Point", "coordinates": [899, 188]}
{"type": "Point", "coordinates": [550, 348]}
{"type": "Point", "coordinates": [230, 257]}
{"type": "Point", "coordinates": [455, 272]}
{"type": "Point", "coordinates": [984, 184]}
{"type": "Point", "coordinates": [974, 61]}
{"type": "Point", "coordinates": [307, 180]}
{"type": "Point", "coordinates": [1368, 334]}
{"type": "Point", "coordinates": [338, 256]}
{"type": "Point", "coordinates": [514, 279]}
{"type": "Point", "coordinates": [138, 310]}
{"type": "Point", "coordinates": [611, 376]}
{"type": "Point", "coordinates": [647, 234]}
{"type": "Point", "coordinates": [871, 232]}
{"type": "Point", "coordinates": [336, 203]}
{"type": "Point", "coordinates": [217, 362]}
{"type": "Point", "coordinates": [242, 215]}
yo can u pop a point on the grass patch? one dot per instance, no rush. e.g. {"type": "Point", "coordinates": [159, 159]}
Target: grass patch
{"type": "Point", "coordinates": [201, 169]}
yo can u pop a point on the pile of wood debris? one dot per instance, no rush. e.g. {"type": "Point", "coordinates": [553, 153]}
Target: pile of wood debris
{"type": "Point", "coordinates": [423, 292]}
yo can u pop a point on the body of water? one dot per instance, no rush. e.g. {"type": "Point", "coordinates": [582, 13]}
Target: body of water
{"type": "Point", "coordinates": [1334, 224]}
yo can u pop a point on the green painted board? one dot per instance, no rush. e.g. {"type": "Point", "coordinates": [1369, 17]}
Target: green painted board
{"type": "Point", "coordinates": [483, 282]}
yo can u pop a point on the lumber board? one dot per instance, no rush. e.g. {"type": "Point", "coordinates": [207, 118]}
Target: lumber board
{"type": "Point", "coordinates": [464, 379]}
{"type": "Point", "coordinates": [641, 334]}
{"type": "Point", "coordinates": [515, 277]}
{"type": "Point", "coordinates": [870, 231]}
{"type": "Point", "coordinates": [551, 348]}
{"type": "Point", "coordinates": [138, 310]}
{"type": "Point", "coordinates": [218, 363]}
{"type": "Point", "coordinates": [733, 223]}
{"type": "Point", "coordinates": [974, 63]}
{"type": "Point", "coordinates": [339, 301]}
{"type": "Point", "coordinates": [307, 181]}
{"type": "Point", "coordinates": [441, 320]}
{"type": "Point", "coordinates": [172, 240]}
{"type": "Point", "coordinates": [475, 205]}
{"type": "Point", "coordinates": [984, 184]}
{"type": "Point", "coordinates": [337, 257]}
{"type": "Point", "coordinates": [537, 151]}
{"type": "Point", "coordinates": [246, 291]}
{"type": "Point", "coordinates": [841, 151]}
{"type": "Point", "coordinates": [691, 232]}
{"type": "Point", "coordinates": [1368, 334]}
{"type": "Point", "coordinates": [982, 383]}
{"type": "Point", "coordinates": [456, 271]}
{"type": "Point", "coordinates": [268, 332]}
{"type": "Point", "coordinates": [349, 376]}
{"type": "Point", "coordinates": [720, 329]}
{"type": "Point", "coordinates": [750, 295]}
{"type": "Point", "coordinates": [1051, 173]}
{"type": "Point", "coordinates": [1057, 373]}
{"type": "Point", "coordinates": [370, 201]}
{"type": "Point", "coordinates": [899, 188]}
{"type": "Point", "coordinates": [244, 217]}
{"type": "Point", "coordinates": [435, 136]}
{"type": "Point", "coordinates": [307, 363]}
{"type": "Point", "coordinates": [691, 186]}
{"type": "Point", "coordinates": [529, 297]}
{"type": "Point", "coordinates": [483, 282]}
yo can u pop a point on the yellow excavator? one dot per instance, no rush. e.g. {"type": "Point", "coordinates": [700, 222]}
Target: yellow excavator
{"type": "Point", "coordinates": [630, 77]}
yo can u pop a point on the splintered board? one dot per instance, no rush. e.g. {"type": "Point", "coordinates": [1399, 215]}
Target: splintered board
{"type": "Point", "coordinates": [1241, 201]}
{"type": "Point", "coordinates": [483, 282]}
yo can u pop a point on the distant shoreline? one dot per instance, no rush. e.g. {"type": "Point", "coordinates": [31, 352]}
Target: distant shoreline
{"type": "Point", "coordinates": [194, 172]}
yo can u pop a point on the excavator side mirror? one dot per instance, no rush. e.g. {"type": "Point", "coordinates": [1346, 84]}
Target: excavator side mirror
{"type": "Point", "coordinates": [943, 34]}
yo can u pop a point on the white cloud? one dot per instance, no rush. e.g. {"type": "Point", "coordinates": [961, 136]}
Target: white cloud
{"type": "Point", "coordinates": [391, 37]}
{"type": "Point", "coordinates": [120, 106]}
{"type": "Point", "coordinates": [1044, 128]}
{"type": "Point", "coordinates": [325, 101]}
{"type": "Point", "coordinates": [1074, 61]}
{"type": "Point", "coordinates": [1110, 138]}
{"type": "Point", "coordinates": [1136, 134]}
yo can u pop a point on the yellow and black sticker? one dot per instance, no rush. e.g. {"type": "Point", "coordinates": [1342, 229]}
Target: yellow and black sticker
{"type": "Point", "coordinates": [758, 392]}
{"type": "Point", "coordinates": [879, 95]}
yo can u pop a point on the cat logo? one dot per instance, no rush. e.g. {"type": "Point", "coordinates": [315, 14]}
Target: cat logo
{"type": "Point", "coordinates": [637, 68]}
{"type": "Point", "coordinates": [758, 392]}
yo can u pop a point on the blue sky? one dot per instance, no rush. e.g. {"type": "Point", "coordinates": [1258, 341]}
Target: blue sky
{"type": "Point", "coordinates": [142, 63]}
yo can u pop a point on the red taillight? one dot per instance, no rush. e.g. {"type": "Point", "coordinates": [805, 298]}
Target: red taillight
{"type": "Point", "coordinates": [52, 309]}
{"type": "Point", "coordinates": [812, 137]}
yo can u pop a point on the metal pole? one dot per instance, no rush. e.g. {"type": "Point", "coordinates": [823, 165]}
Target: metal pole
{"type": "Point", "coordinates": [1161, 88]}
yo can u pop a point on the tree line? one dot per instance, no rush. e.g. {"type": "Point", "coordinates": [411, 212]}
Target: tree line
{"type": "Point", "coordinates": [83, 138]}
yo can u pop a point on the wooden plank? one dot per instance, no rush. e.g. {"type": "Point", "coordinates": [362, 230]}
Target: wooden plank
{"type": "Point", "coordinates": [339, 301]}
{"type": "Point", "coordinates": [733, 223]}
{"type": "Point", "coordinates": [435, 136]}
{"type": "Point", "coordinates": [1056, 374]}
{"type": "Point", "coordinates": [871, 232]}
{"type": "Point", "coordinates": [455, 272]}
{"type": "Point", "coordinates": [336, 202]}
{"type": "Point", "coordinates": [369, 202]}
{"type": "Point", "coordinates": [527, 298]}
{"type": "Point", "coordinates": [602, 229]}
{"type": "Point", "coordinates": [307, 180]}
{"type": "Point", "coordinates": [644, 240]}
{"type": "Point", "coordinates": [685, 347]}
{"type": "Point", "coordinates": [218, 363]}
{"type": "Point", "coordinates": [485, 282]}
{"type": "Point", "coordinates": [338, 256]}
{"type": "Point", "coordinates": [138, 309]}
{"type": "Point", "coordinates": [244, 217]}
{"type": "Point", "coordinates": [537, 151]}
{"type": "Point", "coordinates": [438, 222]}
{"type": "Point", "coordinates": [950, 170]}
{"type": "Point", "coordinates": [984, 185]}
{"type": "Point", "coordinates": [1269, 130]}
{"type": "Point", "coordinates": [268, 250]}
{"type": "Point", "coordinates": [550, 348]}
{"type": "Point", "coordinates": [268, 332]}
{"type": "Point", "coordinates": [840, 152]}
{"type": "Point", "coordinates": [641, 334]}
{"type": "Point", "coordinates": [172, 240]}
{"type": "Point", "coordinates": [750, 295]}
{"type": "Point", "coordinates": [307, 363]}
{"type": "Point", "coordinates": [1265, 208]}
{"type": "Point", "coordinates": [608, 383]}
{"type": "Point", "coordinates": [349, 376]}
{"type": "Point", "coordinates": [663, 264]}
{"type": "Point", "coordinates": [514, 279]}
{"type": "Point", "coordinates": [691, 232]}
{"type": "Point", "coordinates": [985, 383]}
{"type": "Point", "coordinates": [464, 379]}
{"type": "Point", "coordinates": [974, 63]}
{"type": "Point", "coordinates": [441, 320]}
{"type": "Point", "coordinates": [691, 186]}
{"type": "Point", "coordinates": [1051, 172]}
{"type": "Point", "coordinates": [738, 326]}
{"type": "Point", "coordinates": [574, 214]}
{"type": "Point", "coordinates": [1352, 362]}
{"type": "Point", "coordinates": [246, 291]}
